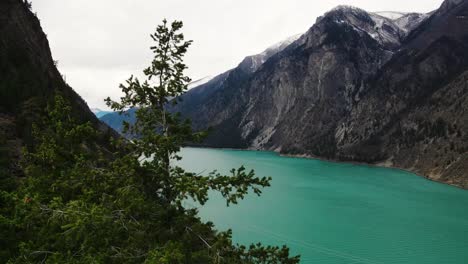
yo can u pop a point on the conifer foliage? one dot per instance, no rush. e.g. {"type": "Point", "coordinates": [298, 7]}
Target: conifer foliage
{"type": "Point", "coordinates": [80, 202]}
{"type": "Point", "coordinates": [159, 134]}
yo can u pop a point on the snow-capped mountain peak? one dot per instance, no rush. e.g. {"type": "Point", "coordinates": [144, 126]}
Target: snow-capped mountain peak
{"type": "Point", "coordinates": [282, 44]}
{"type": "Point", "coordinates": [347, 8]}
{"type": "Point", "coordinates": [388, 28]}
{"type": "Point", "coordinates": [253, 63]}
{"type": "Point", "coordinates": [200, 82]}
{"type": "Point", "coordinates": [449, 4]}
{"type": "Point", "coordinates": [277, 47]}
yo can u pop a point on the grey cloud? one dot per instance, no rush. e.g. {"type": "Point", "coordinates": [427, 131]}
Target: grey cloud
{"type": "Point", "coordinates": [99, 43]}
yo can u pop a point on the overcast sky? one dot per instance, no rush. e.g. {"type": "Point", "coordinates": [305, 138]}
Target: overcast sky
{"type": "Point", "coordinates": [100, 43]}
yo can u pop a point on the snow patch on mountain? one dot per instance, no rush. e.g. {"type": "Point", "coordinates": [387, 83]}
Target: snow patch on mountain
{"type": "Point", "coordinates": [277, 47]}
{"type": "Point", "coordinates": [251, 63]}
{"type": "Point", "coordinates": [200, 82]}
{"type": "Point", "coordinates": [410, 21]}
{"type": "Point", "coordinates": [392, 27]}
{"type": "Point", "coordinates": [254, 62]}
{"type": "Point", "coordinates": [388, 27]}
{"type": "Point", "coordinates": [391, 14]}
{"type": "Point", "coordinates": [379, 27]}
{"type": "Point", "coordinates": [273, 49]}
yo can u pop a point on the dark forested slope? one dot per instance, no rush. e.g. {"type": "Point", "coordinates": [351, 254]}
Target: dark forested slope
{"type": "Point", "coordinates": [28, 74]}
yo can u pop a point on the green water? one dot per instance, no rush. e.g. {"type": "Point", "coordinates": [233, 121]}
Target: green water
{"type": "Point", "coordinates": [341, 213]}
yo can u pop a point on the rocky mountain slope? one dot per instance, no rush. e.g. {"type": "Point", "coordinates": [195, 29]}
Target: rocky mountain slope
{"type": "Point", "coordinates": [414, 113]}
{"type": "Point", "coordinates": [29, 77]}
{"type": "Point", "coordinates": [346, 39]}
{"type": "Point", "coordinates": [367, 87]}
{"type": "Point", "coordinates": [202, 89]}
{"type": "Point", "coordinates": [357, 87]}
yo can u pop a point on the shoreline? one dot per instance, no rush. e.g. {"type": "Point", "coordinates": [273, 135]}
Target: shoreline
{"type": "Point", "coordinates": [310, 157]}
{"type": "Point", "coordinates": [376, 165]}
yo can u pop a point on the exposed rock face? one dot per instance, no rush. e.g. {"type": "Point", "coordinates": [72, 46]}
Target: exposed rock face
{"type": "Point", "coordinates": [28, 75]}
{"type": "Point", "coordinates": [315, 82]}
{"type": "Point", "coordinates": [410, 21]}
{"type": "Point", "coordinates": [357, 86]}
{"type": "Point", "coordinates": [228, 82]}
{"type": "Point", "coordinates": [347, 43]}
{"type": "Point", "coordinates": [415, 110]}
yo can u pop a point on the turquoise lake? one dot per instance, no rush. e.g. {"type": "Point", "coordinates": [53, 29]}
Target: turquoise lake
{"type": "Point", "coordinates": [340, 213]}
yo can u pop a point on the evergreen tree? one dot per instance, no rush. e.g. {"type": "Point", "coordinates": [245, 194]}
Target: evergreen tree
{"type": "Point", "coordinates": [81, 202]}
{"type": "Point", "coordinates": [159, 134]}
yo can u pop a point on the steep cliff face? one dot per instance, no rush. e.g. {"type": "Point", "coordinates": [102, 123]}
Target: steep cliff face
{"type": "Point", "coordinates": [380, 88]}
{"type": "Point", "coordinates": [28, 75]}
{"type": "Point", "coordinates": [359, 87]}
{"type": "Point", "coordinates": [312, 82]}
{"type": "Point", "coordinates": [218, 91]}
{"type": "Point", "coordinates": [414, 114]}
{"type": "Point", "coordinates": [431, 138]}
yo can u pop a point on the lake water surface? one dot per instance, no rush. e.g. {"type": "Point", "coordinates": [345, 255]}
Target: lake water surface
{"type": "Point", "coordinates": [340, 213]}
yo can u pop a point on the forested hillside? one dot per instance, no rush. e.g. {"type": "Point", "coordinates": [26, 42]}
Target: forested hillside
{"type": "Point", "coordinates": [72, 191]}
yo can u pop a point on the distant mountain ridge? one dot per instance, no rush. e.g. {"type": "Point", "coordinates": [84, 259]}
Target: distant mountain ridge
{"type": "Point", "coordinates": [116, 119]}
{"type": "Point", "coordinates": [100, 113]}
{"type": "Point", "coordinates": [357, 86]}
{"type": "Point", "coordinates": [200, 89]}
